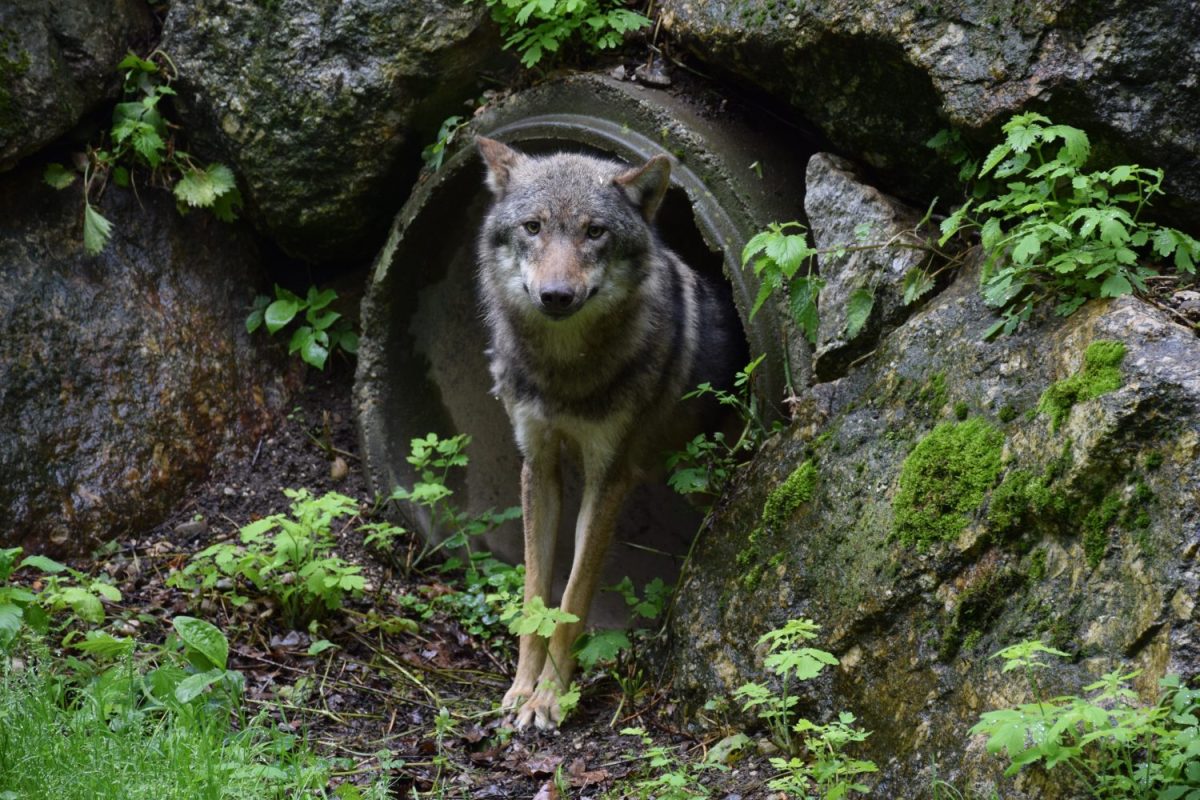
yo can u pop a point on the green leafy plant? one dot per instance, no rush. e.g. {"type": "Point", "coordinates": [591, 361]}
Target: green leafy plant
{"type": "Point", "coordinates": [538, 27]}
{"type": "Point", "coordinates": [288, 558]}
{"type": "Point", "coordinates": [825, 765]}
{"type": "Point", "coordinates": [1055, 232]}
{"type": "Point", "coordinates": [141, 139]}
{"type": "Point", "coordinates": [61, 589]}
{"type": "Point", "coordinates": [708, 461]}
{"type": "Point", "coordinates": [666, 776]}
{"type": "Point", "coordinates": [618, 649]}
{"type": "Point", "coordinates": [536, 619]}
{"type": "Point", "coordinates": [1105, 745]}
{"type": "Point", "coordinates": [322, 331]}
{"type": "Point", "coordinates": [433, 154]}
{"type": "Point", "coordinates": [776, 257]}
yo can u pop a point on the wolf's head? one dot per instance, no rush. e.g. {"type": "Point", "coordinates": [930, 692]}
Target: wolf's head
{"type": "Point", "coordinates": [567, 231]}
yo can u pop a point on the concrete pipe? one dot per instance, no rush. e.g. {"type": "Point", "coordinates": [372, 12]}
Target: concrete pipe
{"type": "Point", "coordinates": [421, 361]}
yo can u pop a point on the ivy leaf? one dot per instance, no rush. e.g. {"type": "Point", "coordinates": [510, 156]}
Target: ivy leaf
{"type": "Point", "coordinates": [858, 311]}
{"type": "Point", "coordinates": [58, 176]}
{"type": "Point", "coordinates": [96, 230]}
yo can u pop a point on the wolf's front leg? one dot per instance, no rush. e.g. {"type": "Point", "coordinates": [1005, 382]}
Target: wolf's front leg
{"type": "Point", "coordinates": [598, 512]}
{"type": "Point", "coordinates": [541, 501]}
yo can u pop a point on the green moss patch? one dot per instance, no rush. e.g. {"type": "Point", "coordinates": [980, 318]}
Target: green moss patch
{"type": "Point", "coordinates": [944, 480]}
{"type": "Point", "coordinates": [1100, 375]}
{"type": "Point", "coordinates": [790, 495]}
{"type": "Point", "coordinates": [1095, 529]}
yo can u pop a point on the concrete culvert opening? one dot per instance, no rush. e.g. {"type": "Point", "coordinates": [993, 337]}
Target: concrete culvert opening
{"type": "Point", "coordinates": [422, 366]}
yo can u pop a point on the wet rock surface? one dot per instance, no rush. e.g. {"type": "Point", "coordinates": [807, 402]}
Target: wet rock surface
{"type": "Point", "coordinates": [125, 376]}
{"type": "Point", "coordinates": [880, 79]}
{"type": "Point", "coordinates": [315, 107]}
{"type": "Point", "coordinates": [1102, 565]}
{"type": "Point", "coordinates": [846, 213]}
{"type": "Point", "coordinates": [58, 62]}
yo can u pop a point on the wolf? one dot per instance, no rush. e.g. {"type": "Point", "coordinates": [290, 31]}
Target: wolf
{"type": "Point", "coordinates": [597, 330]}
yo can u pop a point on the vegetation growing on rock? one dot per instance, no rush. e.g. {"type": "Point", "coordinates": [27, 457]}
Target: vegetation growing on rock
{"type": "Point", "coordinates": [790, 495]}
{"type": "Point", "coordinates": [1100, 375]}
{"type": "Point", "coordinates": [944, 479]}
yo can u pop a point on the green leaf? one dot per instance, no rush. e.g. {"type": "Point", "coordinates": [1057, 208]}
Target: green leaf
{"type": "Point", "coordinates": [314, 352]}
{"type": "Point", "coordinates": [203, 638]}
{"type": "Point", "coordinates": [221, 178]}
{"type": "Point", "coordinates": [858, 311]}
{"type": "Point", "coordinates": [600, 646]}
{"type": "Point", "coordinates": [193, 686]}
{"type": "Point", "coordinates": [105, 644]}
{"type": "Point", "coordinates": [1115, 286]}
{"type": "Point", "coordinates": [10, 623]}
{"type": "Point", "coordinates": [96, 230]}
{"type": "Point", "coordinates": [319, 646]}
{"type": "Point", "coordinates": [86, 605]}
{"type": "Point", "coordinates": [43, 563]}
{"type": "Point", "coordinates": [1029, 246]}
{"type": "Point", "coordinates": [58, 176]}
{"type": "Point", "coordinates": [280, 313]}
{"type": "Point", "coordinates": [196, 189]}
{"type": "Point", "coordinates": [916, 284]}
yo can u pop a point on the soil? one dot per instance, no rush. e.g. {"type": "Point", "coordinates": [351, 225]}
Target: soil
{"type": "Point", "coordinates": [371, 701]}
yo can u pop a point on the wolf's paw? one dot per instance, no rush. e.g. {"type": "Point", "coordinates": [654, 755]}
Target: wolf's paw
{"type": "Point", "coordinates": [542, 710]}
{"type": "Point", "coordinates": [515, 697]}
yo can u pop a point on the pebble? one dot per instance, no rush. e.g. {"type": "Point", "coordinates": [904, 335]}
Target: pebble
{"type": "Point", "coordinates": [191, 528]}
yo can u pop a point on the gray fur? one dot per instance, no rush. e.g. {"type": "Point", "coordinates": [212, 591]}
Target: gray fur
{"type": "Point", "coordinates": [597, 331]}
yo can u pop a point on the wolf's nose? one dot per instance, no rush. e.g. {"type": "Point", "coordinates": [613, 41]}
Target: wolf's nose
{"type": "Point", "coordinates": [557, 299]}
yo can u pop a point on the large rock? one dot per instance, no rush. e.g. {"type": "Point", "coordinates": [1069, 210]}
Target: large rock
{"type": "Point", "coordinates": [1079, 527]}
{"type": "Point", "coordinates": [314, 106]}
{"type": "Point", "coordinates": [122, 376]}
{"type": "Point", "coordinates": [58, 62]}
{"type": "Point", "coordinates": [849, 219]}
{"type": "Point", "coordinates": [880, 78]}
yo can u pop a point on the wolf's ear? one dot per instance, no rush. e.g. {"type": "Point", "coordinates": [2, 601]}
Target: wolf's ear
{"type": "Point", "coordinates": [500, 160]}
{"type": "Point", "coordinates": [647, 185]}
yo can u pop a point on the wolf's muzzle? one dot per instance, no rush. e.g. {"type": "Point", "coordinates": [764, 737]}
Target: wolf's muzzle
{"type": "Point", "coordinates": [558, 301]}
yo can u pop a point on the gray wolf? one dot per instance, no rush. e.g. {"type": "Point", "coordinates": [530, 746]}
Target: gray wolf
{"type": "Point", "coordinates": [597, 330]}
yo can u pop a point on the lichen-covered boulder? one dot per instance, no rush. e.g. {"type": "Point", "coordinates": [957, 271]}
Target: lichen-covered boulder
{"type": "Point", "coordinates": [123, 376]}
{"type": "Point", "coordinates": [58, 62]}
{"type": "Point", "coordinates": [848, 219]}
{"type": "Point", "coordinates": [962, 495]}
{"type": "Point", "coordinates": [322, 109]}
{"type": "Point", "coordinates": [880, 78]}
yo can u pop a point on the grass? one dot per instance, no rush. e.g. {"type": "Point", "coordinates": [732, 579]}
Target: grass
{"type": "Point", "coordinates": [104, 737]}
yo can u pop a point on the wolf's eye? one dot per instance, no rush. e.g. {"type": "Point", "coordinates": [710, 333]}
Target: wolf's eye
{"type": "Point", "coordinates": [595, 231]}
{"type": "Point", "coordinates": [532, 227]}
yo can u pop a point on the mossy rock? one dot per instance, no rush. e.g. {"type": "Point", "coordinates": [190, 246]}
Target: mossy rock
{"type": "Point", "coordinates": [944, 480]}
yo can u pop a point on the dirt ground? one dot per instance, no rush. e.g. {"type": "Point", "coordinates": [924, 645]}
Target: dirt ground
{"type": "Point", "coordinates": [372, 701]}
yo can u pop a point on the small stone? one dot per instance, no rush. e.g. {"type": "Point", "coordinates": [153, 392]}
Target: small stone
{"type": "Point", "coordinates": [338, 470]}
{"type": "Point", "coordinates": [229, 491]}
{"type": "Point", "coordinates": [653, 73]}
{"type": "Point", "coordinates": [618, 73]}
{"type": "Point", "coordinates": [195, 527]}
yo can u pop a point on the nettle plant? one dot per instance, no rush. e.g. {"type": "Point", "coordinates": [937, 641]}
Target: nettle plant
{"type": "Point", "coordinates": [1055, 232]}
{"type": "Point", "coordinates": [539, 27]}
{"type": "Point", "coordinates": [825, 766]}
{"type": "Point", "coordinates": [142, 141]}
{"type": "Point", "coordinates": [706, 463]}
{"type": "Point", "coordinates": [319, 332]}
{"type": "Point", "coordinates": [290, 559]}
{"type": "Point", "coordinates": [1106, 745]}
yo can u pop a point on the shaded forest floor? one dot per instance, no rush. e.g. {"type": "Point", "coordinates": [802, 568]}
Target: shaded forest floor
{"type": "Point", "coordinates": [402, 701]}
